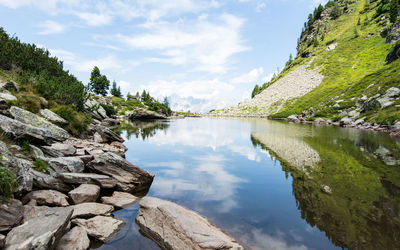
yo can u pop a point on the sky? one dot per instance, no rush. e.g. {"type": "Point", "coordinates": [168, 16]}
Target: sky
{"type": "Point", "coordinates": [201, 54]}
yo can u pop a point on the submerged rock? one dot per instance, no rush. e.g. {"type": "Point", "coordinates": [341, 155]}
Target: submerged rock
{"type": "Point", "coordinates": [120, 199]}
{"type": "Point", "coordinates": [75, 239]}
{"type": "Point", "coordinates": [100, 227]}
{"type": "Point", "coordinates": [174, 227]}
{"type": "Point", "coordinates": [43, 231]}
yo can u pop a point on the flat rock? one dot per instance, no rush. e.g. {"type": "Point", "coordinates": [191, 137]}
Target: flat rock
{"type": "Point", "coordinates": [11, 214]}
{"type": "Point", "coordinates": [75, 239]}
{"type": "Point", "coordinates": [100, 227]}
{"type": "Point", "coordinates": [107, 135]}
{"type": "Point", "coordinates": [29, 118]}
{"type": "Point", "coordinates": [63, 148]}
{"type": "Point", "coordinates": [120, 199]}
{"type": "Point", "coordinates": [174, 227]}
{"type": "Point", "coordinates": [7, 97]}
{"type": "Point", "coordinates": [47, 197]}
{"type": "Point", "coordinates": [65, 164]}
{"type": "Point", "coordinates": [43, 231]}
{"type": "Point", "coordinates": [90, 209]}
{"type": "Point", "coordinates": [95, 110]}
{"type": "Point", "coordinates": [85, 193]}
{"type": "Point", "coordinates": [51, 116]}
{"type": "Point", "coordinates": [82, 178]}
{"type": "Point", "coordinates": [129, 177]}
{"type": "Point", "coordinates": [37, 152]}
{"type": "Point", "coordinates": [44, 181]}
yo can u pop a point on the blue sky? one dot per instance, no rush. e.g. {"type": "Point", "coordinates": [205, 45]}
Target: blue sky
{"type": "Point", "coordinates": [202, 54]}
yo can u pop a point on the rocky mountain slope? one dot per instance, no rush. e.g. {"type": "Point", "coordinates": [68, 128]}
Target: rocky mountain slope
{"type": "Point", "coordinates": [346, 68]}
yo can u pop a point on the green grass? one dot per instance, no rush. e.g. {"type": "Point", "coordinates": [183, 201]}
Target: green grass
{"type": "Point", "coordinates": [40, 165]}
{"type": "Point", "coordinates": [8, 182]}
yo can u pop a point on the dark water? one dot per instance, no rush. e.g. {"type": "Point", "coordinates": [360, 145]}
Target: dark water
{"type": "Point", "coordinates": [271, 184]}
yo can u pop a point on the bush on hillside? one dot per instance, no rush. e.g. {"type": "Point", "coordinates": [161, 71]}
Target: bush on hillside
{"type": "Point", "coordinates": [78, 121]}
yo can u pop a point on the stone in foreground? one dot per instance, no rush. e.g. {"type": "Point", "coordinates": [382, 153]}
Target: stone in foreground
{"type": "Point", "coordinates": [47, 197]}
{"type": "Point", "coordinates": [174, 227]}
{"type": "Point", "coordinates": [11, 213]}
{"type": "Point", "coordinates": [120, 199]}
{"type": "Point", "coordinates": [91, 209]}
{"type": "Point", "coordinates": [100, 227]}
{"type": "Point", "coordinates": [85, 193]}
{"type": "Point", "coordinates": [75, 239]}
{"type": "Point", "coordinates": [41, 232]}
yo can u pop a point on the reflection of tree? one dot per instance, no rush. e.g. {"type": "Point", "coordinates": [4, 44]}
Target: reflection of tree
{"type": "Point", "coordinates": [142, 129]}
{"type": "Point", "coordinates": [362, 211]}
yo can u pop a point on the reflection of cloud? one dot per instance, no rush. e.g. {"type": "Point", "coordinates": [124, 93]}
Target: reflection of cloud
{"type": "Point", "coordinates": [207, 181]}
{"type": "Point", "coordinates": [259, 240]}
{"type": "Point", "coordinates": [249, 152]}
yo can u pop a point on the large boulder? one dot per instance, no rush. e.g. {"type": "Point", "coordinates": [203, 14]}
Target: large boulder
{"type": "Point", "coordinates": [42, 231]}
{"type": "Point", "coordinates": [18, 129]}
{"type": "Point", "coordinates": [65, 164]}
{"type": "Point", "coordinates": [29, 118]}
{"type": "Point", "coordinates": [101, 228]}
{"type": "Point", "coordinates": [174, 227]}
{"type": "Point", "coordinates": [44, 181]}
{"type": "Point", "coordinates": [94, 108]}
{"type": "Point", "coordinates": [75, 239]}
{"type": "Point", "coordinates": [91, 209]}
{"type": "Point", "coordinates": [11, 214]}
{"type": "Point", "coordinates": [47, 197]}
{"type": "Point", "coordinates": [7, 97]}
{"type": "Point", "coordinates": [143, 114]}
{"type": "Point", "coordinates": [84, 193]}
{"type": "Point", "coordinates": [107, 135]}
{"type": "Point", "coordinates": [130, 177]}
{"type": "Point", "coordinates": [51, 116]}
{"type": "Point", "coordinates": [120, 199]}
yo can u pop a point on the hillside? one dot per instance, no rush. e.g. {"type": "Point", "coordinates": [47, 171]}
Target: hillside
{"type": "Point", "coordinates": [345, 65]}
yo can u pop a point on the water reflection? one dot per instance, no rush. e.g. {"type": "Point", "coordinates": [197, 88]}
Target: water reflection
{"type": "Point", "coordinates": [338, 188]}
{"type": "Point", "coordinates": [142, 129]}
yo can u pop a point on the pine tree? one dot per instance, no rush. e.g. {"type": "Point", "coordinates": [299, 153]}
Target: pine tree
{"type": "Point", "coordinates": [99, 84]}
{"type": "Point", "coordinates": [394, 10]}
{"type": "Point", "coordinates": [256, 90]}
{"type": "Point", "coordinates": [166, 101]}
{"type": "Point", "coordinates": [115, 91]}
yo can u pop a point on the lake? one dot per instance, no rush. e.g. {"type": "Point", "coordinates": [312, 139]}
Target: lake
{"type": "Point", "coordinates": [271, 184]}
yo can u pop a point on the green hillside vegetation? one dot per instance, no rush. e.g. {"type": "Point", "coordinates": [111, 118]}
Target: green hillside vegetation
{"type": "Point", "coordinates": [356, 67]}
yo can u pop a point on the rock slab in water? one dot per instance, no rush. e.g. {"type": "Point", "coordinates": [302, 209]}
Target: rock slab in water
{"type": "Point", "coordinates": [100, 227]}
{"type": "Point", "coordinates": [120, 199]}
{"type": "Point", "coordinates": [90, 209]}
{"type": "Point", "coordinates": [174, 227]}
{"type": "Point", "coordinates": [47, 197]}
{"type": "Point", "coordinates": [129, 177]}
{"type": "Point", "coordinates": [75, 239]}
{"type": "Point", "coordinates": [85, 193]}
{"type": "Point", "coordinates": [11, 213]}
{"type": "Point", "coordinates": [40, 232]}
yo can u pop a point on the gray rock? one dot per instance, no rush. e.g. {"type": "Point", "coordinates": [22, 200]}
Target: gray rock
{"type": "Point", "coordinates": [331, 47]}
{"type": "Point", "coordinates": [91, 209]}
{"type": "Point", "coordinates": [47, 197]}
{"type": "Point", "coordinates": [37, 152]}
{"type": "Point", "coordinates": [359, 121]}
{"type": "Point", "coordinates": [82, 178]}
{"type": "Point", "coordinates": [10, 85]}
{"type": "Point", "coordinates": [120, 199]}
{"type": "Point", "coordinates": [3, 147]}
{"type": "Point", "coordinates": [109, 122]}
{"type": "Point", "coordinates": [11, 214]}
{"type": "Point", "coordinates": [100, 227]}
{"type": "Point", "coordinates": [95, 110]}
{"type": "Point", "coordinates": [50, 152]}
{"type": "Point", "coordinates": [29, 118]}
{"type": "Point", "coordinates": [84, 193]}
{"type": "Point", "coordinates": [65, 164]}
{"type": "Point", "coordinates": [107, 135]}
{"type": "Point", "coordinates": [371, 104]}
{"type": "Point", "coordinates": [293, 118]}
{"type": "Point", "coordinates": [46, 181]}
{"type": "Point", "coordinates": [326, 189]}
{"type": "Point", "coordinates": [143, 114]}
{"type": "Point", "coordinates": [387, 104]}
{"type": "Point", "coordinates": [23, 169]}
{"type": "Point", "coordinates": [7, 97]}
{"type": "Point", "coordinates": [396, 125]}
{"type": "Point", "coordinates": [97, 138]}
{"type": "Point", "coordinates": [130, 177]}
{"type": "Point", "coordinates": [394, 33]}
{"type": "Point", "coordinates": [51, 116]}
{"type": "Point", "coordinates": [75, 239]}
{"type": "Point", "coordinates": [40, 232]}
{"type": "Point", "coordinates": [63, 148]}
{"type": "Point", "coordinates": [392, 92]}
{"type": "Point", "coordinates": [43, 102]}
{"type": "Point", "coordinates": [174, 227]}
{"type": "Point", "coordinates": [364, 98]}
{"type": "Point", "coordinates": [319, 121]}
{"type": "Point", "coordinates": [345, 121]}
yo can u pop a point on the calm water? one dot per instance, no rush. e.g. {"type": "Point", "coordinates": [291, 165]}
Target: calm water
{"type": "Point", "coordinates": [271, 184]}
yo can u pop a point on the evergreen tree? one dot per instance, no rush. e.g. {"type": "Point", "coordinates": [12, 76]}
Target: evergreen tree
{"type": "Point", "coordinates": [394, 10]}
{"type": "Point", "coordinates": [166, 101]}
{"type": "Point", "coordinates": [336, 11]}
{"type": "Point", "coordinates": [98, 84]}
{"type": "Point", "coordinates": [115, 91]}
{"type": "Point", "coordinates": [256, 90]}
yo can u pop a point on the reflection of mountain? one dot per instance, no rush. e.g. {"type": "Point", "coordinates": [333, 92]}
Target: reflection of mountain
{"type": "Point", "coordinates": [361, 209]}
{"type": "Point", "coordinates": [142, 129]}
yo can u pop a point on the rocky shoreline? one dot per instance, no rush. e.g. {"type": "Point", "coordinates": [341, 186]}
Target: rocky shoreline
{"type": "Point", "coordinates": [68, 187]}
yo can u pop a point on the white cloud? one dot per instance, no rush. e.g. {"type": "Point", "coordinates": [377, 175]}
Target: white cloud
{"type": "Point", "coordinates": [95, 19]}
{"type": "Point", "coordinates": [260, 6]}
{"type": "Point", "coordinates": [251, 77]}
{"type": "Point", "coordinates": [50, 27]}
{"type": "Point", "coordinates": [203, 44]}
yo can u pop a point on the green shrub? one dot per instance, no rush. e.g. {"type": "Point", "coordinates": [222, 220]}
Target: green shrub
{"type": "Point", "coordinates": [40, 165]}
{"type": "Point", "coordinates": [78, 121]}
{"type": "Point", "coordinates": [110, 110]}
{"type": "Point", "coordinates": [8, 182]}
{"type": "Point", "coordinates": [26, 146]}
{"type": "Point", "coordinates": [30, 102]}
